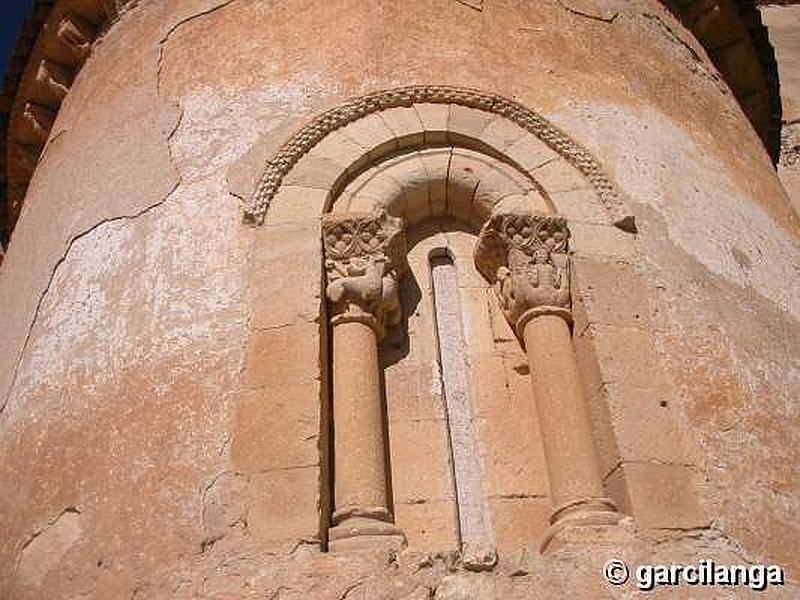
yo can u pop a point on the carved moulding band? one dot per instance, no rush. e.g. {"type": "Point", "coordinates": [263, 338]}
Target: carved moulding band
{"type": "Point", "coordinates": [315, 131]}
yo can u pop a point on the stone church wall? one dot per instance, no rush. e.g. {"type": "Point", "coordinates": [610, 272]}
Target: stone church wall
{"type": "Point", "coordinates": [169, 356]}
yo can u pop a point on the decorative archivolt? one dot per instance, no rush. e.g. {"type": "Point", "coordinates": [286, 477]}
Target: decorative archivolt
{"type": "Point", "coordinates": [522, 253]}
{"type": "Point", "coordinates": [529, 121]}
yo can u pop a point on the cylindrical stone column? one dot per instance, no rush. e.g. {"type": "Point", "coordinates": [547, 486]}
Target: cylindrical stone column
{"type": "Point", "coordinates": [576, 487]}
{"type": "Point", "coordinates": [363, 254]}
{"type": "Point", "coordinates": [359, 442]}
{"type": "Point", "coordinates": [525, 256]}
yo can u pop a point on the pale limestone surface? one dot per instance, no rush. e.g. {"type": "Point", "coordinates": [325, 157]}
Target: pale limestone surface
{"type": "Point", "coordinates": [164, 367]}
{"type": "Point", "coordinates": [784, 35]}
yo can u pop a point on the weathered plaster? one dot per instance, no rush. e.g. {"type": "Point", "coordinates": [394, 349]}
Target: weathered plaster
{"type": "Point", "coordinates": [128, 401]}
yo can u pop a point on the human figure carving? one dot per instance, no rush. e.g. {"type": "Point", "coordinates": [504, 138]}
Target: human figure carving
{"type": "Point", "coordinates": [531, 281]}
{"type": "Point", "coordinates": [526, 258]}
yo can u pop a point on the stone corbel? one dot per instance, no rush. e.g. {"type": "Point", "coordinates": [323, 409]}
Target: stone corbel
{"type": "Point", "coordinates": [77, 33]}
{"type": "Point", "coordinates": [56, 77]}
{"type": "Point", "coordinates": [41, 119]}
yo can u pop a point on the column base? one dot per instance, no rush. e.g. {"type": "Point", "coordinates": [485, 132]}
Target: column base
{"type": "Point", "coordinates": [364, 534]}
{"type": "Point", "coordinates": [583, 523]}
{"type": "Point", "coordinates": [478, 555]}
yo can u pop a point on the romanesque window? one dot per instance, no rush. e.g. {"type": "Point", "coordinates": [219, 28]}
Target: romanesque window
{"type": "Point", "coordinates": [457, 398]}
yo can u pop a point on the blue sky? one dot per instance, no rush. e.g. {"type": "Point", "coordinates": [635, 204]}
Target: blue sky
{"type": "Point", "coordinates": [12, 14]}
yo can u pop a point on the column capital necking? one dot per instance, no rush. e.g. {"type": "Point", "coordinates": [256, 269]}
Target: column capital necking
{"type": "Point", "coordinates": [524, 255]}
{"type": "Point", "coordinates": [365, 254]}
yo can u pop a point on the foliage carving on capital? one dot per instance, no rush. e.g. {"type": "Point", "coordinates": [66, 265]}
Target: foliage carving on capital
{"type": "Point", "coordinates": [365, 254]}
{"type": "Point", "coordinates": [524, 255]}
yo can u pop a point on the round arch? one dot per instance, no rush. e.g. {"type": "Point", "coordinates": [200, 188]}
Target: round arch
{"type": "Point", "coordinates": [343, 142]}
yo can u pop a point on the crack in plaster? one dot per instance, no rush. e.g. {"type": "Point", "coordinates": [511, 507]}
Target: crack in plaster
{"type": "Point", "coordinates": [673, 36]}
{"type": "Point", "coordinates": [352, 587]}
{"type": "Point", "coordinates": [87, 232]}
{"type": "Point", "coordinates": [648, 461]}
{"type": "Point", "coordinates": [701, 65]}
{"type": "Point", "coordinates": [38, 532]}
{"type": "Point", "coordinates": [580, 13]}
{"type": "Point", "coordinates": [46, 546]}
{"type": "Point", "coordinates": [476, 5]}
{"type": "Point", "coordinates": [165, 38]}
{"type": "Point", "coordinates": [94, 228]}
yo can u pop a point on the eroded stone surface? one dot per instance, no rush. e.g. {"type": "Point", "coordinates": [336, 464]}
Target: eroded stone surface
{"type": "Point", "coordinates": [46, 549]}
{"type": "Point", "coordinates": [159, 393]}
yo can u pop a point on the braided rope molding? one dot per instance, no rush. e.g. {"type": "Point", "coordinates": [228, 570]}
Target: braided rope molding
{"type": "Point", "coordinates": [315, 131]}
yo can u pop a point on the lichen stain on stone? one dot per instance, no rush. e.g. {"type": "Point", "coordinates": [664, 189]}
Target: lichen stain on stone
{"type": "Point", "coordinates": [47, 547]}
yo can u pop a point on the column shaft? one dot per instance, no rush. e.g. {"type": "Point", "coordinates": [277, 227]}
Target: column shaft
{"type": "Point", "coordinates": [359, 441]}
{"type": "Point", "coordinates": [561, 406]}
{"type": "Point", "coordinates": [526, 256]}
{"type": "Point", "coordinates": [364, 254]}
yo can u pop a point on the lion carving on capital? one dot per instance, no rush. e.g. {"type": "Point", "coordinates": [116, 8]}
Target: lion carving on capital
{"type": "Point", "coordinates": [366, 283]}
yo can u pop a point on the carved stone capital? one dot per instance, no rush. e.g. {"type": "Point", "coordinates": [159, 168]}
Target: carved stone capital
{"type": "Point", "coordinates": [365, 254]}
{"type": "Point", "coordinates": [524, 255]}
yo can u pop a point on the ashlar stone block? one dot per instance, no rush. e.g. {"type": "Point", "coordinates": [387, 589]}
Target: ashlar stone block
{"type": "Point", "coordinates": [277, 428]}
{"type": "Point", "coordinates": [314, 171]}
{"type": "Point", "coordinates": [296, 204]}
{"type": "Point", "coordinates": [283, 506]}
{"type": "Point", "coordinates": [490, 394]}
{"type": "Point", "coordinates": [464, 175]}
{"type": "Point", "coordinates": [409, 392]}
{"type": "Point", "coordinates": [373, 134]}
{"type": "Point", "coordinates": [661, 496]}
{"type": "Point", "coordinates": [502, 133]}
{"type": "Point", "coordinates": [283, 356]}
{"type": "Point", "coordinates": [278, 300]}
{"type": "Point", "coordinates": [468, 122]}
{"type": "Point", "coordinates": [646, 427]}
{"type": "Point", "coordinates": [434, 119]}
{"type": "Point", "coordinates": [420, 460]}
{"type": "Point", "coordinates": [429, 526]}
{"type": "Point", "coordinates": [611, 292]}
{"type": "Point", "coordinates": [581, 205]}
{"type": "Point", "coordinates": [341, 150]}
{"type": "Point", "coordinates": [513, 455]}
{"type": "Point", "coordinates": [529, 152]}
{"type": "Point", "coordinates": [377, 188]}
{"type": "Point", "coordinates": [558, 175]}
{"type": "Point", "coordinates": [437, 162]}
{"type": "Point", "coordinates": [625, 355]}
{"type": "Point", "coordinates": [602, 241]}
{"type": "Point", "coordinates": [475, 319]}
{"type": "Point", "coordinates": [519, 522]}
{"type": "Point", "coordinates": [406, 125]}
